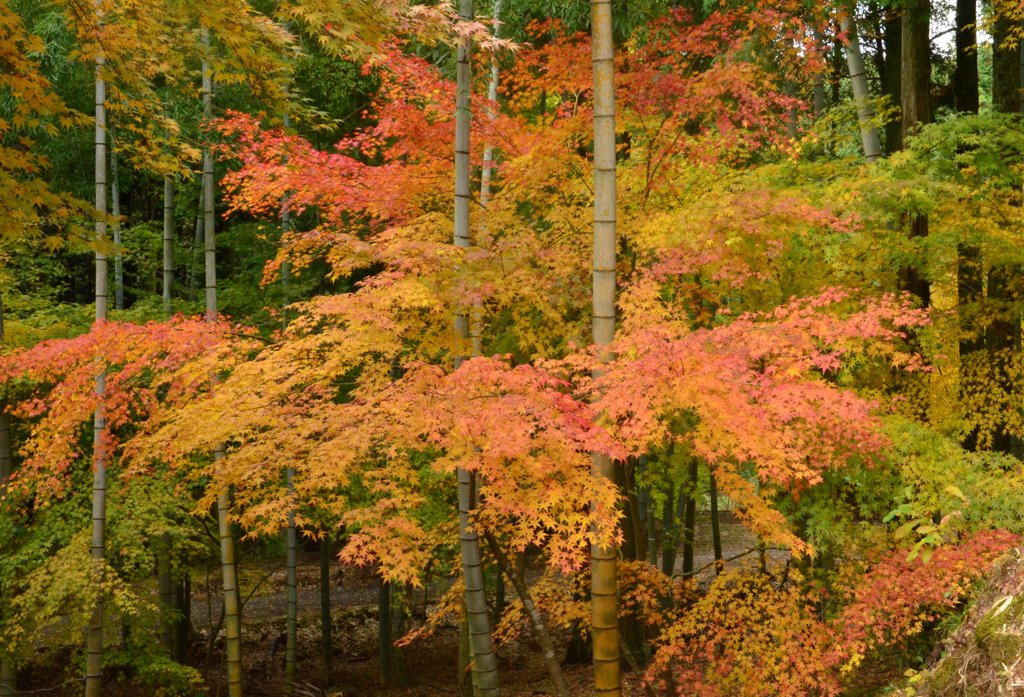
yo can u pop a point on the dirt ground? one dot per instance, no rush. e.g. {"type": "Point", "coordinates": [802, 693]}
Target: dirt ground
{"type": "Point", "coordinates": [430, 663]}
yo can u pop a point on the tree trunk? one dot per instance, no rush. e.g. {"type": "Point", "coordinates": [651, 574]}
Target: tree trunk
{"type": "Point", "coordinates": [1006, 82]}
{"type": "Point", "coordinates": [669, 531]}
{"type": "Point", "coordinates": [861, 93]}
{"type": "Point", "coordinates": [716, 531]}
{"type": "Point", "coordinates": [916, 61]}
{"type": "Point", "coordinates": [115, 214]}
{"type": "Point", "coordinates": [836, 71]}
{"type": "Point", "coordinates": [646, 507]}
{"type": "Point", "coordinates": [970, 281]}
{"type": "Point", "coordinates": [634, 519]}
{"type": "Point", "coordinates": [168, 275]}
{"type": "Point", "coordinates": [485, 669]}
{"type": "Point", "coordinates": [94, 636]}
{"type": "Point", "coordinates": [892, 80]}
{"type": "Point", "coordinates": [916, 112]}
{"type": "Point", "coordinates": [1004, 332]}
{"type": "Point", "coordinates": [603, 575]}
{"type": "Point", "coordinates": [690, 519]}
{"type": "Point", "coordinates": [326, 625]}
{"type": "Point", "coordinates": [819, 79]}
{"type": "Point", "coordinates": [965, 78]}
{"type": "Point", "coordinates": [229, 572]}
{"type": "Point", "coordinates": [540, 630]}
{"type": "Point", "coordinates": [165, 586]}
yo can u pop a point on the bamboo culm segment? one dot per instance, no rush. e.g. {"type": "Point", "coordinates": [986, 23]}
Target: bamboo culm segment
{"type": "Point", "coordinates": [94, 633]}
{"type": "Point", "coordinates": [485, 669]}
{"type": "Point", "coordinates": [603, 577]}
{"type": "Point", "coordinates": [229, 572]}
{"type": "Point", "coordinates": [861, 94]}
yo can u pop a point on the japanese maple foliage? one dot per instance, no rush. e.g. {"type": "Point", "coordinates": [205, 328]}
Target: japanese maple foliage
{"type": "Point", "coordinates": [363, 457]}
{"type": "Point", "coordinates": [759, 389]}
{"type": "Point", "coordinates": [751, 635]}
{"type": "Point", "coordinates": [137, 361]}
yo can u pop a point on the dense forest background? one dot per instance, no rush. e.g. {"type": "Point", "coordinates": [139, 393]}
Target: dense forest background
{"type": "Point", "coordinates": [517, 346]}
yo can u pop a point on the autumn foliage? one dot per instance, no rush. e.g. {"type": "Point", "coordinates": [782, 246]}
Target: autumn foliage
{"type": "Point", "coordinates": [765, 338]}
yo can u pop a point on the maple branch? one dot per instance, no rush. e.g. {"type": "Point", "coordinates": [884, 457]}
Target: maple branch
{"type": "Point", "coordinates": [260, 583]}
{"type": "Point", "coordinates": [726, 560]}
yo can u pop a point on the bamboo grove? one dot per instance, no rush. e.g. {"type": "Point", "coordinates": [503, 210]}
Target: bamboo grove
{"type": "Point", "coordinates": [496, 301]}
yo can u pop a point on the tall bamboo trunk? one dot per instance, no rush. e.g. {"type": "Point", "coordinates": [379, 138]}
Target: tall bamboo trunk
{"type": "Point", "coordinates": [8, 672]}
{"type": "Point", "coordinates": [291, 534]}
{"type": "Point", "coordinates": [115, 214]}
{"type": "Point", "coordinates": [603, 576]}
{"type": "Point", "coordinates": [487, 173]}
{"type": "Point", "coordinates": [164, 574]}
{"type": "Point", "coordinates": [94, 635]}
{"type": "Point", "coordinates": [858, 77]}
{"type": "Point", "coordinates": [485, 669]}
{"type": "Point", "coordinates": [168, 265]}
{"type": "Point", "coordinates": [229, 573]}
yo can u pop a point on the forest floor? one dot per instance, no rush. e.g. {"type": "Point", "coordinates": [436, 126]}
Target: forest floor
{"type": "Point", "coordinates": [429, 663]}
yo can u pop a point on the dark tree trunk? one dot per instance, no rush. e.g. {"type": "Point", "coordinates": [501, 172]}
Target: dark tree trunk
{"type": "Point", "coordinates": [916, 112]}
{"type": "Point", "coordinates": [633, 535]}
{"type": "Point", "coordinates": [969, 278]}
{"type": "Point", "coordinates": [965, 79]}
{"type": "Point", "coordinates": [1005, 68]}
{"type": "Point", "coordinates": [917, 73]}
{"type": "Point", "coordinates": [690, 519]}
{"type": "Point", "coordinates": [669, 532]}
{"type": "Point", "coordinates": [838, 70]}
{"type": "Point", "coordinates": [716, 531]}
{"type": "Point", "coordinates": [183, 623]}
{"type": "Point", "coordinates": [1003, 334]}
{"type": "Point", "coordinates": [892, 78]}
